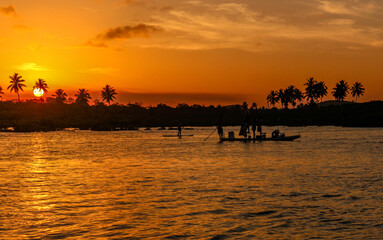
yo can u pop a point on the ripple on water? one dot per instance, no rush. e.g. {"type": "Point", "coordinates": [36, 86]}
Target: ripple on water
{"type": "Point", "coordinates": [256, 214]}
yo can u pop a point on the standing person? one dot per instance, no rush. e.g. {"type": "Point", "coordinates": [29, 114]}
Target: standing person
{"type": "Point", "coordinates": [220, 131]}
{"type": "Point", "coordinates": [179, 129]}
{"type": "Point", "coordinates": [260, 129]}
{"type": "Point", "coordinates": [254, 127]}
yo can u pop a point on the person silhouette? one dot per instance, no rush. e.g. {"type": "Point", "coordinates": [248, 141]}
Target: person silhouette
{"type": "Point", "coordinates": [179, 129]}
{"type": "Point", "coordinates": [220, 131]}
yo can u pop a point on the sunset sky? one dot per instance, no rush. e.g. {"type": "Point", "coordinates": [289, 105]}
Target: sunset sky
{"type": "Point", "coordinates": [207, 52]}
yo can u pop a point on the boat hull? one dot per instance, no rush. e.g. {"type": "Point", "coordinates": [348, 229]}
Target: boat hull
{"type": "Point", "coordinates": [277, 139]}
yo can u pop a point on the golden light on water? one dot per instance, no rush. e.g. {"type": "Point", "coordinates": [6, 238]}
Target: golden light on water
{"type": "Point", "coordinates": [38, 92]}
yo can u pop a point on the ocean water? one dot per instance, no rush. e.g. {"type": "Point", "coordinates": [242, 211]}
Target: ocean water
{"type": "Point", "coordinates": [140, 185]}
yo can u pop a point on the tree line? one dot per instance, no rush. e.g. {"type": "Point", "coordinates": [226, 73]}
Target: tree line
{"type": "Point", "coordinates": [108, 93]}
{"type": "Point", "coordinates": [59, 111]}
{"type": "Point", "coordinates": [314, 91]}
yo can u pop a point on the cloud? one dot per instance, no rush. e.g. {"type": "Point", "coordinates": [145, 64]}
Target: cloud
{"type": "Point", "coordinates": [123, 32]}
{"type": "Point", "coordinates": [126, 32]}
{"type": "Point", "coordinates": [31, 67]}
{"type": "Point", "coordinates": [256, 26]}
{"type": "Point", "coordinates": [248, 25]}
{"type": "Point", "coordinates": [354, 7]}
{"type": "Point", "coordinates": [8, 10]}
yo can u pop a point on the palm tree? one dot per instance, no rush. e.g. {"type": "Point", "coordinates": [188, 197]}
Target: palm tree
{"type": "Point", "coordinates": [321, 90]}
{"type": "Point", "coordinates": [82, 96]}
{"type": "Point", "coordinates": [293, 95]}
{"type": "Point", "coordinates": [340, 91]}
{"type": "Point", "coordinates": [298, 95]}
{"type": "Point", "coordinates": [283, 98]}
{"type": "Point", "coordinates": [357, 90]}
{"type": "Point", "coordinates": [60, 96]}
{"type": "Point", "coordinates": [42, 85]}
{"type": "Point", "coordinates": [310, 90]}
{"type": "Point", "coordinates": [1, 92]}
{"type": "Point", "coordinates": [16, 84]}
{"type": "Point", "coordinates": [272, 98]}
{"type": "Point", "coordinates": [108, 94]}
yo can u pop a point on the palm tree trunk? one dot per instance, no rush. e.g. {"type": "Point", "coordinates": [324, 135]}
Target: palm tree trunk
{"type": "Point", "coordinates": [18, 95]}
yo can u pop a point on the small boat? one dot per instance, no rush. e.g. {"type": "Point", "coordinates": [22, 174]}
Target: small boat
{"type": "Point", "coordinates": [260, 139]}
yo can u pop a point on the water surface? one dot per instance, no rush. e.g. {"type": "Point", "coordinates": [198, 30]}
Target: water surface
{"type": "Point", "coordinates": [140, 185]}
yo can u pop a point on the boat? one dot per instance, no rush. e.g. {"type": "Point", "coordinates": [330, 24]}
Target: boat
{"type": "Point", "coordinates": [261, 139]}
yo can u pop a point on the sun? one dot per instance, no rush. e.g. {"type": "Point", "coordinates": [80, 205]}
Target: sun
{"type": "Point", "coordinates": [38, 92]}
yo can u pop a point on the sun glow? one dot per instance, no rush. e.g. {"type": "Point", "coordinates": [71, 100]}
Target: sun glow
{"type": "Point", "coordinates": [38, 92]}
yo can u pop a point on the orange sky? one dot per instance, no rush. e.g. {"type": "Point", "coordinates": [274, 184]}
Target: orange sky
{"type": "Point", "coordinates": [206, 52]}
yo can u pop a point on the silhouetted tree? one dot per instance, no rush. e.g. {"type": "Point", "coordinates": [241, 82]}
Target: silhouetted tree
{"type": "Point", "coordinates": [292, 95]}
{"type": "Point", "coordinates": [320, 90]}
{"type": "Point", "coordinates": [283, 98]}
{"type": "Point", "coordinates": [357, 90]}
{"type": "Point", "coordinates": [298, 95]}
{"type": "Point", "coordinates": [42, 85]}
{"type": "Point", "coordinates": [310, 90]}
{"type": "Point", "coordinates": [60, 96]}
{"type": "Point", "coordinates": [340, 91]}
{"type": "Point", "coordinates": [1, 92]}
{"type": "Point", "coordinates": [82, 96]}
{"type": "Point", "coordinates": [272, 98]}
{"type": "Point", "coordinates": [16, 84]}
{"type": "Point", "coordinates": [108, 94]}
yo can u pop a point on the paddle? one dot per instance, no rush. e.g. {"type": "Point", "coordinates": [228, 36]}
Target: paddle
{"type": "Point", "coordinates": [210, 135]}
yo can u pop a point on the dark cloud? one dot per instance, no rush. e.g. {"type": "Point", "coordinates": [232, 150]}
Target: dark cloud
{"type": "Point", "coordinates": [9, 10]}
{"type": "Point", "coordinates": [126, 32]}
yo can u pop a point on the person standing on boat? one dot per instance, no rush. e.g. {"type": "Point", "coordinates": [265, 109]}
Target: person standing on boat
{"type": "Point", "coordinates": [220, 131]}
{"type": "Point", "coordinates": [260, 129]}
{"type": "Point", "coordinates": [179, 134]}
{"type": "Point", "coordinates": [245, 128]}
{"type": "Point", "coordinates": [254, 127]}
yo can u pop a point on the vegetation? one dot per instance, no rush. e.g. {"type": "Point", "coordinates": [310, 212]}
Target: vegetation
{"type": "Point", "coordinates": [108, 94]}
{"type": "Point", "coordinates": [340, 91]}
{"type": "Point", "coordinates": [272, 98]}
{"type": "Point", "coordinates": [16, 84]}
{"type": "Point", "coordinates": [60, 112]}
{"type": "Point", "coordinates": [42, 85]}
{"type": "Point", "coordinates": [60, 96]}
{"type": "Point", "coordinates": [1, 92]}
{"type": "Point", "coordinates": [357, 90]}
{"type": "Point", "coordinates": [82, 96]}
